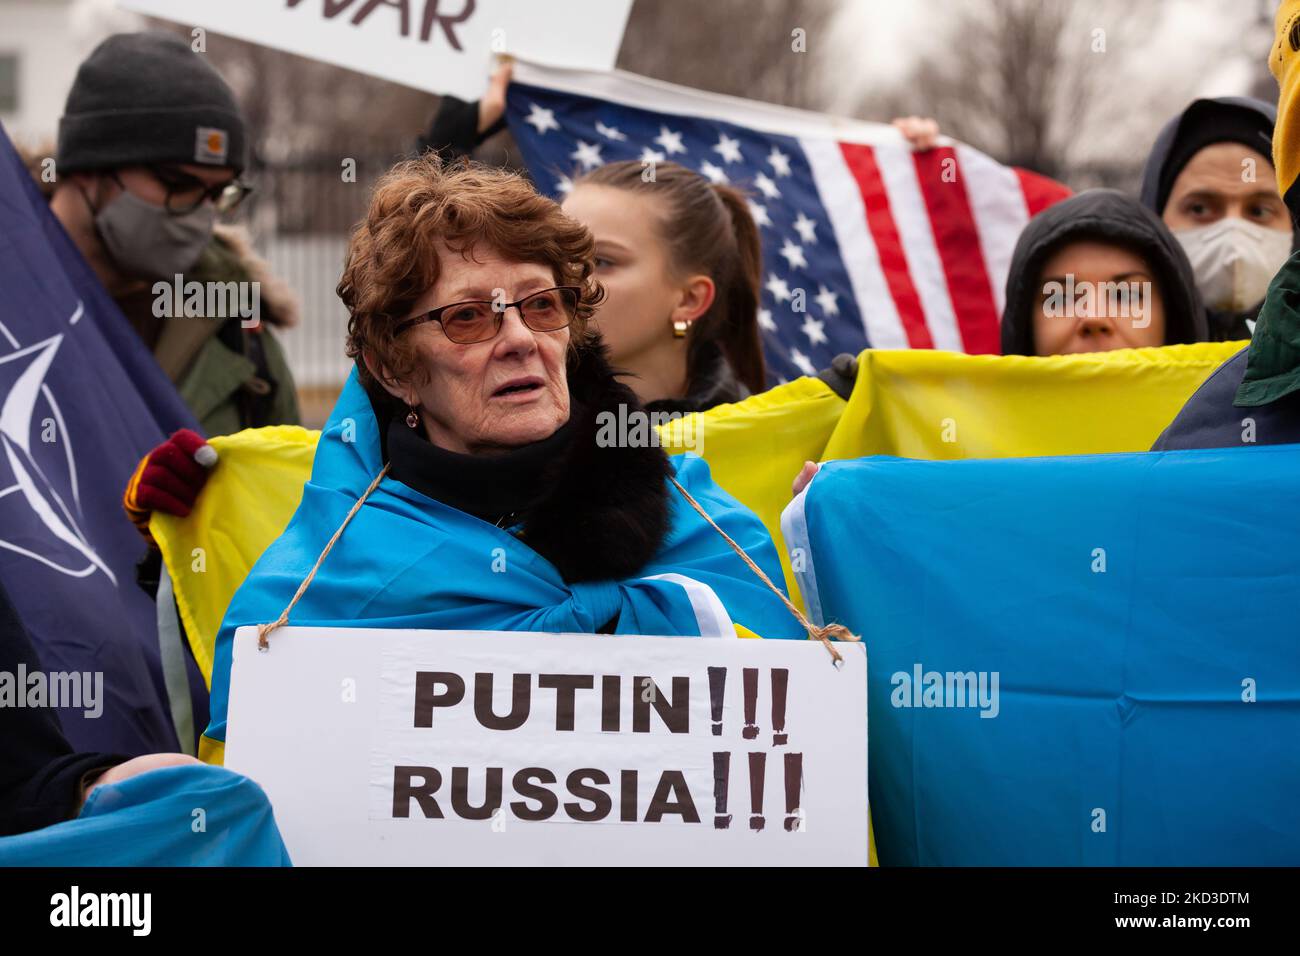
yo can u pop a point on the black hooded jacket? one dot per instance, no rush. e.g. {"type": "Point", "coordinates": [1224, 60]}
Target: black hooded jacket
{"type": "Point", "coordinates": [1224, 119]}
{"type": "Point", "coordinates": [1106, 215]}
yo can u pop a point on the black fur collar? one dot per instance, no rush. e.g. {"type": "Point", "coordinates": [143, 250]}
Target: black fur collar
{"type": "Point", "coordinates": [596, 513]}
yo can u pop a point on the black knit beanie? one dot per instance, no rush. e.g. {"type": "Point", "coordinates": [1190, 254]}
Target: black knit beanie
{"type": "Point", "coordinates": [145, 98]}
{"type": "Point", "coordinates": [1205, 123]}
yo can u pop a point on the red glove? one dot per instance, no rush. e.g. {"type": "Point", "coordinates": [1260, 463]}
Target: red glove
{"type": "Point", "coordinates": [168, 479]}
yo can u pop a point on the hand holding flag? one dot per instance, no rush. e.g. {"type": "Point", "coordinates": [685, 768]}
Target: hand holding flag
{"type": "Point", "coordinates": [168, 479]}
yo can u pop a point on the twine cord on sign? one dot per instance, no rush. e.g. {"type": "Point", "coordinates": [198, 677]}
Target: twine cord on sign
{"type": "Point", "coordinates": [822, 633]}
{"type": "Point", "coordinates": [264, 630]}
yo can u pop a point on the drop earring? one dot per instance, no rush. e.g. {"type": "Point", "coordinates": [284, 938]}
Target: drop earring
{"type": "Point", "coordinates": [412, 419]}
{"type": "Point", "coordinates": [680, 328]}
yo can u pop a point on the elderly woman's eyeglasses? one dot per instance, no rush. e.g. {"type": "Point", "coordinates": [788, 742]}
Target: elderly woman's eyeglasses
{"type": "Point", "coordinates": [467, 323]}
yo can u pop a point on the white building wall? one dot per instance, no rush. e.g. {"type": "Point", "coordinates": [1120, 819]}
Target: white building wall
{"type": "Point", "coordinates": [50, 39]}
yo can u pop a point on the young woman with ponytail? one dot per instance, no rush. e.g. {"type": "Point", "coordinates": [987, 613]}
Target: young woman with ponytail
{"type": "Point", "coordinates": [680, 262]}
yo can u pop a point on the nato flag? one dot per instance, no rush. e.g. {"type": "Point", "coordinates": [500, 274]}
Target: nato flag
{"type": "Point", "coordinates": [81, 401]}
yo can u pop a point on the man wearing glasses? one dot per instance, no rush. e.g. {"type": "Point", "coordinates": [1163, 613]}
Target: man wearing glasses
{"type": "Point", "coordinates": [151, 148]}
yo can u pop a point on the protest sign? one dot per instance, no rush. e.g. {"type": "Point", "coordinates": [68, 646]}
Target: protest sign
{"type": "Point", "coordinates": [461, 747]}
{"type": "Point", "coordinates": [443, 46]}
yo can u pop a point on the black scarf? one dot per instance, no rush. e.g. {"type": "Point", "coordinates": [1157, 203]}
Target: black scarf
{"type": "Point", "coordinates": [497, 488]}
{"type": "Point", "coordinates": [595, 513]}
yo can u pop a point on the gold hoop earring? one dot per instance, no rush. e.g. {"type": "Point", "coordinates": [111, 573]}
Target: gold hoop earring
{"type": "Point", "coordinates": [412, 419]}
{"type": "Point", "coordinates": [680, 328]}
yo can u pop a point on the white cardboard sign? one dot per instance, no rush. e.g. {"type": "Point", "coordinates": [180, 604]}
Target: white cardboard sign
{"type": "Point", "coordinates": [443, 46]}
{"type": "Point", "coordinates": [481, 748]}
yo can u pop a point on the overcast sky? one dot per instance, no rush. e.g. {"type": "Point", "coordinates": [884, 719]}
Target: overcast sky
{"type": "Point", "coordinates": [1198, 44]}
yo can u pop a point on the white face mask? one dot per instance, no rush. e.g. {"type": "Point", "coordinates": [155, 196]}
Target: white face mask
{"type": "Point", "coordinates": [1234, 261]}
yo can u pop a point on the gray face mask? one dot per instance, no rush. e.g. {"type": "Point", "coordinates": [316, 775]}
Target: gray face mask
{"type": "Point", "coordinates": [147, 241]}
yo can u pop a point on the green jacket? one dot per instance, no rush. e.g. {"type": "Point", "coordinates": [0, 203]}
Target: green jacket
{"type": "Point", "coordinates": [1273, 368]}
{"type": "Point", "coordinates": [219, 380]}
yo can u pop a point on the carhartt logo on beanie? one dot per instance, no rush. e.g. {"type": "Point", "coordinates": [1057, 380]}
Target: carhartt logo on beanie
{"type": "Point", "coordinates": [145, 98]}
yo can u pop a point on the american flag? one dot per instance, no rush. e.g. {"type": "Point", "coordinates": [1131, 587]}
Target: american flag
{"type": "Point", "coordinates": [866, 243]}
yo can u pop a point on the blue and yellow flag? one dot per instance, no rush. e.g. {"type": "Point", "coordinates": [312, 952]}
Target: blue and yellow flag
{"type": "Point", "coordinates": [1085, 660]}
{"type": "Point", "coordinates": [918, 403]}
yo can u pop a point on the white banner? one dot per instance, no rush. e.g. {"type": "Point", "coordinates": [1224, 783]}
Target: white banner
{"type": "Point", "coordinates": [475, 748]}
{"type": "Point", "coordinates": [443, 46]}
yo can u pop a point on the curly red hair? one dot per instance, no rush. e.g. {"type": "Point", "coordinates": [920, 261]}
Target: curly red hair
{"type": "Point", "coordinates": [422, 204]}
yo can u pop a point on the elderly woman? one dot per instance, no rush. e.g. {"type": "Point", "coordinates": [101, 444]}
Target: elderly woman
{"type": "Point", "coordinates": [482, 388]}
